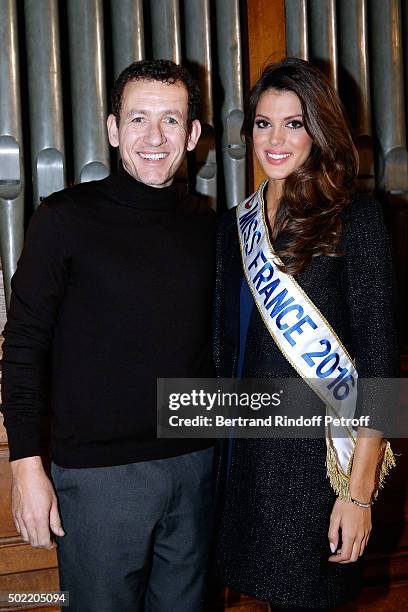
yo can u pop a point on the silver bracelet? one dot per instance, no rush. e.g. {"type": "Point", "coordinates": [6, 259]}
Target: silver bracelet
{"type": "Point", "coordinates": [361, 504]}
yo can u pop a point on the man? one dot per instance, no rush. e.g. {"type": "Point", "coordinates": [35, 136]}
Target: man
{"type": "Point", "coordinates": [115, 287]}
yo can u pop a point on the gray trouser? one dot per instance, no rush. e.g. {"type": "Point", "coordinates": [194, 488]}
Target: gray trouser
{"type": "Point", "coordinates": [137, 535]}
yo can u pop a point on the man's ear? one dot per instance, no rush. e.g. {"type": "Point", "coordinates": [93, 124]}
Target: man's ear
{"type": "Point", "coordinates": [194, 135]}
{"type": "Point", "coordinates": [113, 132]}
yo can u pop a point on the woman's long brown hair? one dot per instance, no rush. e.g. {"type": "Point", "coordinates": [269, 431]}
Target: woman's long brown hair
{"type": "Point", "coordinates": [315, 195]}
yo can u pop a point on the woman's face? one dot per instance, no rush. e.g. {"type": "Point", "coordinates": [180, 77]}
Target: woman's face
{"type": "Point", "coordinates": [281, 142]}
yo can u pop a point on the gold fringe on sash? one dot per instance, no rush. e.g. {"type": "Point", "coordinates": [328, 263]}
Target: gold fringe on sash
{"type": "Point", "coordinates": [340, 481]}
{"type": "Point", "coordinates": [386, 463]}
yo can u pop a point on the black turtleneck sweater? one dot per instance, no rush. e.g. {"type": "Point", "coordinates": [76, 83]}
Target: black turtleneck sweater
{"type": "Point", "coordinates": [113, 289]}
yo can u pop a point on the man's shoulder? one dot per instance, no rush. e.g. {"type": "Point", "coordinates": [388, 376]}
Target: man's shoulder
{"type": "Point", "coordinates": [75, 194]}
{"type": "Point", "coordinates": [195, 211]}
{"type": "Point", "coordinates": [195, 204]}
{"type": "Point", "coordinates": [66, 210]}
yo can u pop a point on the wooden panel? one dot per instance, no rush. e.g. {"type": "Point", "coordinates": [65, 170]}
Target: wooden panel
{"type": "Point", "coordinates": [21, 557]}
{"type": "Point", "coordinates": [266, 34]}
{"type": "Point", "coordinates": [236, 602]}
{"type": "Point", "coordinates": [390, 598]}
{"type": "Point", "coordinates": [265, 44]}
{"type": "Point", "coordinates": [390, 535]}
{"type": "Point", "coordinates": [389, 568]}
{"type": "Point", "coordinates": [7, 528]}
{"type": "Point", "coordinates": [3, 435]}
{"type": "Point", "coordinates": [40, 581]}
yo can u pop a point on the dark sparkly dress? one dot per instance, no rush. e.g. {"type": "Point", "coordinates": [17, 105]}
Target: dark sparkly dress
{"type": "Point", "coordinates": [273, 541]}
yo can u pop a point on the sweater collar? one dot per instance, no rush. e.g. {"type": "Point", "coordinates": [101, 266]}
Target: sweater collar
{"type": "Point", "coordinates": [128, 191]}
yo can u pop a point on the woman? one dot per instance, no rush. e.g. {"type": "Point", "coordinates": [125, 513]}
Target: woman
{"type": "Point", "coordinates": [292, 528]}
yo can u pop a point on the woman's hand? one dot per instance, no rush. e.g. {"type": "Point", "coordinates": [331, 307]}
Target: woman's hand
{"type": "Point", "coordinates": [355, 525]}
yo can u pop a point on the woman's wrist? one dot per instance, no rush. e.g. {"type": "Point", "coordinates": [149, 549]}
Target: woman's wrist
{"type": "Point", "coordinates": [362, 491]}
{"type": "Point", "coordinates": [361, 504]}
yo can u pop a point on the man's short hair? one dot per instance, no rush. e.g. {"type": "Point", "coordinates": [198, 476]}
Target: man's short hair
{"type": "Point", "coordinates": [164, 71]}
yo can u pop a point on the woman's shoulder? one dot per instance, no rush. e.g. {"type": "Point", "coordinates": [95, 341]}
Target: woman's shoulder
{"type": "Point", "coordinates": [227, 222]}
{"type": "Point", "coordinates": [228, 217]}
{"type": "Point", "coordinates": [363, 214]}
{"type": "Point", "coordinates": [363, 206]}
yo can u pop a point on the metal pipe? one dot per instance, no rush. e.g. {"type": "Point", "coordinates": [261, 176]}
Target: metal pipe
{"type": "Point", "coordinates": [45, 97]}
{"type": "Point", "coordinates": [355, 82]}
{"type": "Point", "coordinates": [323, 37]}
{"type": "Point", "coordinates": [166, 37]}
{"type": "Point", "coordinates": [388, 95]}
{"type": "Point", "coordinates": [230, 72]}
{"type": "Point", "coordinates": [297, 44]}
{"type": "Point", "coordinates": [127, 33]}
{"type": "Point", "coordinates": [198, 54]}
{"type": "Point", "coordinates": [89, 108]}
{"type": "Point", "coordinates": [11, 146]}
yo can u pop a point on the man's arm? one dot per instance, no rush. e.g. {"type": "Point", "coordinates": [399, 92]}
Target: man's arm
{"type": "Point", "coordinates": [37, 290]}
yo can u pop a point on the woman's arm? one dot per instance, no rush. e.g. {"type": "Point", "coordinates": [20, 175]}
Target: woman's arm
{"type": "Point", "coordinates": [371, 318]}
{"type": "Point", "coordinates": [367, 456]}
{"type": "Point", "coordinates": [353, 520]}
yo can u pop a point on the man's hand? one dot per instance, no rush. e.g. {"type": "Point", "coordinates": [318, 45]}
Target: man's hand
{"type": "Point", "coordinates": [34, 503]}
{"type": "Point", "coordinates": [355, 524]}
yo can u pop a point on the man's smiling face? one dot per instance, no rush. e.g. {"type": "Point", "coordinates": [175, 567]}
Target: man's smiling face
{"type": "Point", "coordinates": [152, 135]}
